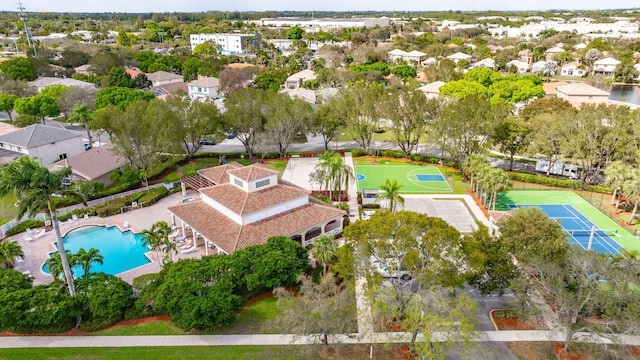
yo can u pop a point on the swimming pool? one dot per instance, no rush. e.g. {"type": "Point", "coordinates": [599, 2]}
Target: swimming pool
{"type": "Point", "coordinates": [122, 251]}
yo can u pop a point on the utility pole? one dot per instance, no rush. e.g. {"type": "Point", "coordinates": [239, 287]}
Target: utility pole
{"type": "Point", "coordinates": [23, 18]}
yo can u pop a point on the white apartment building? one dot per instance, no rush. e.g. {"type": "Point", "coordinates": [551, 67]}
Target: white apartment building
{"type": "Point", "coordinates": [314, 25]}
{"type": "Point", "coordinates": [230, 44]}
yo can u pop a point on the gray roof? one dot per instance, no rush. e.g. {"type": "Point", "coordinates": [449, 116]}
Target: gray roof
{"type": "Point", "coordinates": [37, 134]}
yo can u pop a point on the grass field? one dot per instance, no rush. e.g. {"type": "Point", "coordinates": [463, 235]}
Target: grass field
{"type": "Point", "coordinates": [409, 176]}
{"type": "Point", "coordinates": [530, 197]}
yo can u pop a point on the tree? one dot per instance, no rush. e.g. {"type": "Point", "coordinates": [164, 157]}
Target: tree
{"type": "Point", "coordinates": [9, 251]}
{"type": "Point", "coordinates": [625, 71]}
{"type": "Point", "coordinates": [86, 258]}
{"type": "Point", "coordinates": [195, 120]}
{"type": "Point", "coordinates": [37, 188]}
{"type": "Point", "coordinates": [461, 89]}
{"type": "Point", "coordinates": [141, 82]}
{"type": "Point", "coordinates": [101, 63]}
{"type": "Point", "coordinates": [54, 265]}
{"type": "Point", "coordinates": [333, 174]}
{"type": "Point", "coordinates": [550, 69]}
{"type": "Point", "coordinates": [72, 58]}
{"type": "Point", "coordinates": [404, 71]}
{"type": "Point", "coordinates": [157, 239]}
{"type": "Point", "coordinates": [19, 88]}
{"type": "Point", "coordinates": [616, 175]}
{"type": "Point", "coordinates": [327, 308]}
{"type": "Point", "coordinates": [591, 56]}
{"type": "Point", "coordinates": [246, 116]}
{"type": "Point", "coordinates": [207, 48]}
{"type": "Point", "coordinates": [285, 118]}
{"type": "Point", "coordinates": [7, 103]}
{"type": "Point", "coordinates": [268, 80]}
{"type": "Point", "coordinates": [513, 136]}
{"type": "Point", "coordinates": [532, 237]}
{"type": "Point", "coordinates": [390, 195]}
{"type": "Point", "coordinates": [550, 134]}
{"type": "Point", "coordinates": [295, 33]}
{"type": "Point", "coordinates": [118, 77]}
{"type": "Point", "coordinates": [326, 121]}
{"type": "Point", "coordinates": [73, 97]}
{"type": "Point", "coordinates": [232, 79]}
{"type": "Point", "coordinates": [191, 68]}
{"type": "Point", "coordinates": [125, 39]}
{"type": "Point", "coordinates": [39, 106]}
{"type": "Point", "coordinates": [107, 297]}
{"type": "Point", "coordinates": [83, 114]}
{"type": "Point", "coordinates": [545, 105]}
{"type": "Point", "coordinates": [144, 59]}
{"type": "Point", "coordinates": [463, 126]}
{"type": "Point", "coordinates": [432, 252]}
{"type": "Point", "coordinates": [17, 69]}
{"type": "Point", "coordinates": [120, 97]}
{"type": "Point", "coordinates": [324, 250]}
{"type": "Point", "coordinates": [361, 108]}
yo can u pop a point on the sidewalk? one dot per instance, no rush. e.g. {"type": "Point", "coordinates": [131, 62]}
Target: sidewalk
{"type": "Point", "coordinates": [286, 339]}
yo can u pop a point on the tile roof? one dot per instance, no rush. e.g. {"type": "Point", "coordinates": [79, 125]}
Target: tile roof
{"type": "Point", "coordinates": [42, 82]}
{"type": "Point", "coordinates": [253, 172]}
{"type": "Point", "coordinates": [218, 174]}
{"type": "Point", "coordinates": [162, 76]}
{"type": "Point", "coordinates": [206, 81]}
{"type": "Point", "coordinates": [93, 163]}
{"type": "Point", "coordinates": [581, 89]}
{"type": "Point", "coordinates": [231, 236]}
{"type": "Point", "coordinates": [38, 134]}
{"type": "Point", "coordinates": [245, 203]}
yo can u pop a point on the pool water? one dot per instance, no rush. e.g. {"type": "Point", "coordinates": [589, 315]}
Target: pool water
{"type": "Point", "coordinates": [121, 251]}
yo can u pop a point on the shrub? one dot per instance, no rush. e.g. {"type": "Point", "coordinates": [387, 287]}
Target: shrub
{"type": "Point", "coordinates": [392, 153]}
{"type": "Point", "coordinates": [371, 206]}
{"type": "Point", "coordinates": [153, 195]}
{"type": "Point", "coordinates": [31, 224]}
{"type": "Point", "coordinates": [359, 152]}
{"type": "Point", "coordinates": [555, 182]}
{"type": "Point", "coordinates": [142, 280]}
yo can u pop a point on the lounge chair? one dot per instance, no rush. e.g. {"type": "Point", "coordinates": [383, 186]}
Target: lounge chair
{"type": "Point", "coordinates": [180, 238]}
{"type": "Point", "coordinates": [36, 234]}
{"type": "Point", "coordinates": [74, 217]}
{"type": "Point", "coordinates": [26, 237]}
{"type": "Point", "coordinates": [174, 234]}
{"type": "Point", "coordinates": [190, 250]}
{"type": "Point", "coordinates": [187, 245]}
{"type": "Point", "coordinates": [86, 216]}
{"type": "Point", "coordinates": [125, 225]}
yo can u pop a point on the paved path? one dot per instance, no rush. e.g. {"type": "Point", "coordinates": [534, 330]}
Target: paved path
{"type": "Point", "coordinates": [284, 339]}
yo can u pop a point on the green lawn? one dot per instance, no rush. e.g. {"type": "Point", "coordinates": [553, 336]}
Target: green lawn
{"type": "Point", "coordinates": [373, 176]}
{"type": "Point", "coordinates": [155, 353]}
{"type": "Point", "coordinates": [258, 318]}
{"type": "Point", "coordinates": [159, 327]}
{"type": "Point", "coordinates": [7, 207]}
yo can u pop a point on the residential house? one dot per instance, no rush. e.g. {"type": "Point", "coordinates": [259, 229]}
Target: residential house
{"type": "Point", "coordinates": [42, 82]}
{"type": "Point", "coordinates": [488, 63]}
{"type": "Point", "coordinates": [83, 69]}
{"type": "Point", "coordinates": [460, 56]}
{"type": "Point", "coordinates": [580, 93]}
{"type": "Point", "coordinates": [580, 46]}
{"type": "Point", "coordinates": [520, 66]}
{"type": "Point", "coordinates": [414, 57]}
{"type": "Point", "coordinates": [133, 72]}
{"type": "Point", "coordinates": [205, 88]}
{"type": "Point", "coordinates": [605, 67]}
{"type": "Point", "coordinates": [165, 90]}
{"type": "Point", "coordinates": [241, 206]}
{"type": "Point", "coordinates": [396, 55]}
{"type": "Point", "coordinates": [525, 56]}
{"type": "Point", "coordinates": [432, 90]}
{"type": "Point", "coordinates": [47, 144]}
{"type": "Point", "coordinates": [538, 66]}
{"type": "Point", "coordinates": [550, 53]}
{"type": "Point", "coordinates": [95, 164]}
{"type": "Point", "coordinates": [296, 80]}
{"type": "Point", "coordinates": [159, 78]}
{"type": "Point", "coordinates": [573, 69]}
{"type": "Point", "coordinates": [429, 61]}
{"type": "Point", "coordinates": [301, 93]}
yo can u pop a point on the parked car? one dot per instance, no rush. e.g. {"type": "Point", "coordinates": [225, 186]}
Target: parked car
{"type": "Point", "coordinates": [206, 142]}
{"type": "Point", "coordinates": [87, 146]}
{"type": "Point", "coordinates": [231, 134]}
{"type": "Point", "coordinates": [389, 268]}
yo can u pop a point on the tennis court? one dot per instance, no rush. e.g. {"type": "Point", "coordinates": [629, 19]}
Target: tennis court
{"type": "Point", "coordinates": [413, 178]}
{"type": "Point", "coordinates": [580, 228]}
{"type": "Point", "coordinates": [577, 217]}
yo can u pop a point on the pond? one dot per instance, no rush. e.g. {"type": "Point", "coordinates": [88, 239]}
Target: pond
{"type": "Point", "coordinates": [625, 93]}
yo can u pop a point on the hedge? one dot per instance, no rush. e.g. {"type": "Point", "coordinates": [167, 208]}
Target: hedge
{"type": "Point", "coordinates": [31, 224]}
{"type": "Point", "coordinates": [555, 182]}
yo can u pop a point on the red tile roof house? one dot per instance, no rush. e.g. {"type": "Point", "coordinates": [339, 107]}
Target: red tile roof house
{"type": "Point", "coordinates": [246, 205]}
{"type": "Point", "coordinates": [95, 164]}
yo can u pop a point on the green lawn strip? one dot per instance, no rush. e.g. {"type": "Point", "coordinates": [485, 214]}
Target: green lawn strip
{"type": "Point", "coordinates": [530, 197]}
{"type": "Point", "coordinates": [277, 165]}
{"type": "Point", "coordinates": [159, 327]}
{"type": "Point", "coordinates": [153, 353]}
{"type": "Point", "coordinates": [7, 206]}
{"type": "Point", "coordinates": [259, 317]}
{"type": "Point", "coordinates": [372, 160]}
{"type": "Point", "coordinates": [404, 174]}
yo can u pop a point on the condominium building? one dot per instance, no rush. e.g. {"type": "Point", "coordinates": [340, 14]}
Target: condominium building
{"type": "Point", "coordinates": [230, 44]}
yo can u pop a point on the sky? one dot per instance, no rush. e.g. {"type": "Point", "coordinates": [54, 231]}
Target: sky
{"type": "Point", "coordinates": [306, 5]}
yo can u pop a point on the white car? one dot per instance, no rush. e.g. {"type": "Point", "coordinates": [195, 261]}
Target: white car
{"type": "Point", "coordinates": [389, 268]}
{"type": "Point", "coordinates": [367, 213]}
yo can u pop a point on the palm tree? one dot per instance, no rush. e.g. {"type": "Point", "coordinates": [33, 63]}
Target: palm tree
{"type": "Point", "coordinates": [391, 194]}
{"type": "Point", "coordinates": [85, 258]}
{"type": "Point", "coordinates": [9, 251]}
{"type": "Point", "coordinates": [332, 173]}
{"type": "Point", "coordinates": [501, 182]}
{"type": "Point", "coordinates": [157, 238]}
{"type": "Point", "coordinates": [83, 113]}
{"type": "Point", "coordinates": [54, 264]}
{"type": "Point", "coordinates": [473, 164]}
{"type": "Point", "coordinates": [632, 192]}
{"type": "Point", "coordinates": [324, 250]}
{"type": "Point", "coordinates": [37, 189]}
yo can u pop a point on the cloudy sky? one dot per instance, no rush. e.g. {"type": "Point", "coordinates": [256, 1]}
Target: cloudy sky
{"type": "Point", "coordinates": [335, 5]}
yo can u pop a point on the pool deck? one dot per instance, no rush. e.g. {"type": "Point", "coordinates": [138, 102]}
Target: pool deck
{"type": "Point", "coordinates": [37, 251]}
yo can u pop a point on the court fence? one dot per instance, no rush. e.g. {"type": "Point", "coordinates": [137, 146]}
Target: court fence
{"type": "Point", "coordinates": [602, 202]}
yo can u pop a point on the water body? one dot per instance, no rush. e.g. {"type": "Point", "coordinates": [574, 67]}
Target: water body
{"type": "Point", "coordinates": [625, 93]}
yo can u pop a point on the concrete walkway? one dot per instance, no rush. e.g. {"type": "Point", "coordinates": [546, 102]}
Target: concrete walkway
{"type": "Point", "coordinates": [287, 339]}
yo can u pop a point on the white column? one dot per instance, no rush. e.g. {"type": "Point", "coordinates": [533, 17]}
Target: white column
{"type": "Point", "coordinates": [184, 189]}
